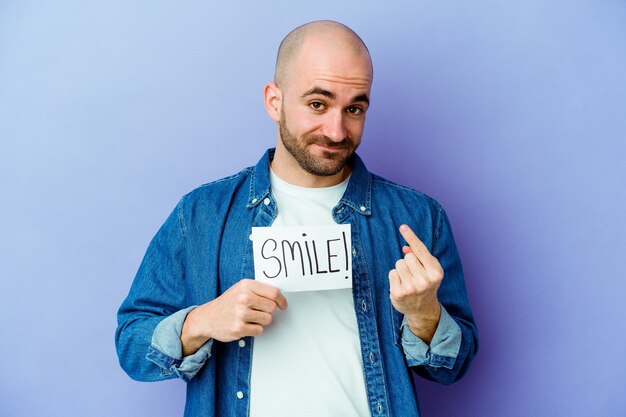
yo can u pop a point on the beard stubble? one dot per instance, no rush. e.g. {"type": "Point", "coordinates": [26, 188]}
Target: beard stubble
{"type": "Point", "coordinates": [330, 163]}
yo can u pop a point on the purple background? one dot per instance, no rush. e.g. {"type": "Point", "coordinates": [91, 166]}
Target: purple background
{"type": "Point", "coordinates": [512, 114]}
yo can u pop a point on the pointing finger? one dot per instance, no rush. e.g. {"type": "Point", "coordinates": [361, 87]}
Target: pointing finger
{"type": "Point", "coordinates": [417, 247]}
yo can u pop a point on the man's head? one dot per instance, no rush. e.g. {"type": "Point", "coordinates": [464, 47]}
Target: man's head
{"type": "Point", "coordinates": [319, 98]}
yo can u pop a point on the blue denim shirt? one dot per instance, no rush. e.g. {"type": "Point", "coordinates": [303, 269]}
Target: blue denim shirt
{"type": "Point", "coordinates": [203, 249]}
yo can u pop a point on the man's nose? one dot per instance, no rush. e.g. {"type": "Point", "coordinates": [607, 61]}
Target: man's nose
{"type": "Point", "coordinates": [335, 126]}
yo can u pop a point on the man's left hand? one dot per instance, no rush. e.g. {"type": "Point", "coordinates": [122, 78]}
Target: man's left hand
{"type": "Point", "coordinates": [413, 286]}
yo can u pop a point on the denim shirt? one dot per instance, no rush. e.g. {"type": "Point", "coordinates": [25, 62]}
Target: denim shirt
{"type": "Point", "coordinates": [203, 249]}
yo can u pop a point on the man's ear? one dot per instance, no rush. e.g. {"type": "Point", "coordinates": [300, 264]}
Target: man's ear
{"type": "Point", "coordinates": [273, 100]}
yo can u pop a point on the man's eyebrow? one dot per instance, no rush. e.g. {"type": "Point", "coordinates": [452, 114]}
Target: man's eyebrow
{"type": "Point", "coordinates": [362, 97]}
{"type": "Point", "coordinates": [331, 95]}
{"type": "Point", "coordinates": [320, 91]}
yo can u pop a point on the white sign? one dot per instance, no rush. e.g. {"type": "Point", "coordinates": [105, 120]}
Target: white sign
{"type": "Point", "coordinates": [303, 258]}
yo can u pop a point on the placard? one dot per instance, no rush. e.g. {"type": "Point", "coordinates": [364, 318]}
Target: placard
{"type": "Point", "coordinates": [299, 258]}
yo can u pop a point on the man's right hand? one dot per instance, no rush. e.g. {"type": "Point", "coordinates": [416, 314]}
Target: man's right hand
{"type": "Point", "coordinates": [241, 311]}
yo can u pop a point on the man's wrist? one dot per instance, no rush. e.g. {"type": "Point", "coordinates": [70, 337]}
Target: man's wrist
{"type": "Point", "coordinates": [424, 325]}
{"type": "Point", "coordinates": [191, 339]}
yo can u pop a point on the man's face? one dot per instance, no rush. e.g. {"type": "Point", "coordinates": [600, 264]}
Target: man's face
{"type": "Point", "coordinates": [331, 157]}
{"type": "Point", "coordinates": [323, 108]}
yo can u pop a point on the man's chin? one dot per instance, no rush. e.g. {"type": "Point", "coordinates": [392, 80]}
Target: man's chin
{"type": "Point", "coordinates": [325, 167]}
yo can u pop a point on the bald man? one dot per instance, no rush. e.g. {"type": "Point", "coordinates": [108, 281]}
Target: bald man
{"type": "Point", "coordinates": [248, 348]}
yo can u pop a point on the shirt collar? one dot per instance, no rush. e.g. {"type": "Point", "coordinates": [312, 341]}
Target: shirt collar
{"type": "Point", "coordinates": [357, 195]}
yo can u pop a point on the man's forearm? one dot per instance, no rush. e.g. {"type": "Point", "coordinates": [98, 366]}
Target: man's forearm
{"type": "Point", "coordinates": [425, 325]}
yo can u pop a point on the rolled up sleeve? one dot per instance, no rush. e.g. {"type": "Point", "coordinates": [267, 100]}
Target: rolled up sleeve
{"type": "Point", "coordinates": [443, 349]}
{"type": "Point", "coordinates": [166, 348]}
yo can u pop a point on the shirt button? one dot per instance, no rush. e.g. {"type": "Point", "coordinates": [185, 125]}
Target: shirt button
{"type": "Point", "coordinates": [242, 343]}
{"type": "Point", "coordinates": [379, 408]}
{"type": "Point", "coordinates": [372, 357]}
{"type": "Point", "coordinates": [239, 395]}
{"type": "Point", "coordinates": [364, 305]}
{"type": "Point", "coordinates": [353, 252]}
{"type": "Point", "coordinates": [362, 208]}
{"type": "Point", "coordinates": [266, 201]}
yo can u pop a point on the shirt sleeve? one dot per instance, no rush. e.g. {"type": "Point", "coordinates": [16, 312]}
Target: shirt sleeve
{"type": "Point", "coordinates": [443, 349]}
{"type": "Point", "coordinates": [166, 348]}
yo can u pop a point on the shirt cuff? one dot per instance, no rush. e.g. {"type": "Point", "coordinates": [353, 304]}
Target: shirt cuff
{"type": "Point", "coordinates": [166, 349]}
{"type": "Point", "coordinates": [443, 349]}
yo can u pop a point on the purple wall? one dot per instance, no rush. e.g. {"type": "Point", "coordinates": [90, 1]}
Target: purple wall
{"type": "Point", "coordinates": [513, 116]}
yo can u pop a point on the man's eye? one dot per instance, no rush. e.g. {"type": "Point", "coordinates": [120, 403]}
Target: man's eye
{"type": "Point", "coordinates": [316, 105]}
{"type": "Point", "coordinates": [355, 110]}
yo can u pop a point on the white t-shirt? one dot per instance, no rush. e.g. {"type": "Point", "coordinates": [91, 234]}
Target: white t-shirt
{"type": "Point", "coordinates": [308, 361]}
